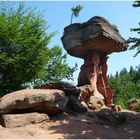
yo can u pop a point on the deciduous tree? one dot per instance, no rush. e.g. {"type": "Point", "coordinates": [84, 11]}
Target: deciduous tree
{"type": "Point", "coordinates": [24, 52]}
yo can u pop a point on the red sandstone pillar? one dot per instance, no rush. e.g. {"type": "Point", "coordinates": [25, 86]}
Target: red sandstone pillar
{"type": "Point", "coordinates": [89, 69]}
{"type": "Point", "coordinates": [102, 81]}
{"type": "Point", "coordinates": [94, 72]}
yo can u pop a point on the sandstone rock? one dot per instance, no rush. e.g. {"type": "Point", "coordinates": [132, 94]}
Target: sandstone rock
{"type": "Point", "coordinates": [84, 104]}
{"type": "Point", "coordinates": [68, 88]}
{"type": "Point", "coordinates": [106, 115]}
{"type": "Point", "coordinates": [132, 104]}
{"type": "Point", "coordinates": [18, 120]}
{"type": "Point", "coordinates": [86, 92]}
{"type": "Point", "coordinates": [93, 41]}
{"type": "Point", "coordinates": [97, 34]}
{"type": "Point", "coordinates": [94, 73]}
{"type": "Point", "coordinates": [93, 99]}
{"type": "Point", "coordinates": [95, 103]}
{"type": "Point", "coordinates": [75, 105]}
{"type": "Point", "coordinates": [116, 108]}
{"type": "Point", "coordinates": [34, 100]}
{"type": "Point", "coordinates": [131, 115]}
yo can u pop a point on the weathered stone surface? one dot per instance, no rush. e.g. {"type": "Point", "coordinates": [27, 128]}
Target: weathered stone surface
{"type": "Point", "coordinates": [75, 105]}
{"type": "Point", "coordinates": [108, 116]}
{"type": "Point", "coordinates": [68, 88]}
{"type": "Point", "coordinates": [86, 92]}
{"type": "Point", "coordinates": [132, 104]}
{"type": "Point", "coordinates": [116, 108]}
{"type": "Point", "coordinates": [97, 34]}
{"type": "Point", "coordinates": [93, 41]}
{"type": "Point", "coordinates": [94, 72]}
{"type": "Point", "coordinates": [92, 98]}
{"type": "Point", "coordinates": [95, 103]}
{"type": "Point", "coordinates": [34, 100]}
{"type": "Point", "coordinates": [18, 120]}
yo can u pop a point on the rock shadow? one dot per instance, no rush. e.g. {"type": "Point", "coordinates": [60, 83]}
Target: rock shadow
{"type": "Point", "coordinates": [84, 127]}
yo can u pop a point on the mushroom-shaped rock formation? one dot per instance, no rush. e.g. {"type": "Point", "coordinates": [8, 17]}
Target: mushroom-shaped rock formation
{"type": "Point", "coordinates": [93, 41]}
{"type": "Point", "coordinates": [96, 35]}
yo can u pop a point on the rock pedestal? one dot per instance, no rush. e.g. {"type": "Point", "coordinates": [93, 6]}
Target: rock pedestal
{"type": "Point", "coordinates": [93, 41]}
{"type": "Point", "coordinates": [94, 72]}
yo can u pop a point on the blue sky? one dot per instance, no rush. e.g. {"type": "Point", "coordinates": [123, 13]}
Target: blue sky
{"type": "Point", "coordinates": [120, 13]}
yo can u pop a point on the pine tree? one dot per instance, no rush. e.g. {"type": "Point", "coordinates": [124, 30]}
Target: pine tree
{"type": "Point", "coordinates": [135, 41]}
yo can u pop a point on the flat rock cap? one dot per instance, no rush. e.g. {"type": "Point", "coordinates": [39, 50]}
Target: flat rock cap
{"type": "Point", "coordinates": [96, 35]}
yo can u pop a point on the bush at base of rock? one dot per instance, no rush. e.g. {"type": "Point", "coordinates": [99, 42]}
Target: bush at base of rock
{"type": "Point", "coordinates": [34, 100]}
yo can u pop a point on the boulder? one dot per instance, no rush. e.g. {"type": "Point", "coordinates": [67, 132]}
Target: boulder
{"type": "Point", "coordinates": [132, 104]}
{"type": "Point", "coordinates": [18, 120]}
{"type": "Point", "coordinates": [85, 92]}
{"type": "Point", "coordinates": [106, 115]}
{"type": "Point", "coordinates": [34, 100]}
{"type": "Point", "coordinates": [97, 35]}
{"type": "Point", "coordinates": [93, 99]}
{"type": "Point", "coordinates": [95, 103]}
{"type": "Point", "coordinates": [75, 105]}
{"type": "Point", "coordinates": [68, 88]}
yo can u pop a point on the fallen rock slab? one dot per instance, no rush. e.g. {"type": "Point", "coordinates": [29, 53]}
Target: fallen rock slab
{"type": "Point", "coordinates": [34, 100]}
{"type": "Point", "coordinates": [18, 120]}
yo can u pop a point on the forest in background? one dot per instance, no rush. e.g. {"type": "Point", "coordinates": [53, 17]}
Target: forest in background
{"type": "Point", "coordinates": [125, 85]}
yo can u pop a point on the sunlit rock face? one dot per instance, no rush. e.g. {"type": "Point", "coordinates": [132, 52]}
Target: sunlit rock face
{"type": "Point", "coordinates": [93, 41]}
{"type": "Point", "coordinates": [96, 35]}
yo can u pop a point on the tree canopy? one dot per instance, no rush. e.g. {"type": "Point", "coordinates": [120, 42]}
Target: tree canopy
{"type": "Point", "coordinates": [75, 11]}
{"type": "Point", "coordinates": [57, 67]}
{"type": "Point", "coordinates": [125, 85]}
{"type": "Point", "coordinates": [135, 41]}
{"type": "Point", "coordinates": [24, 52]}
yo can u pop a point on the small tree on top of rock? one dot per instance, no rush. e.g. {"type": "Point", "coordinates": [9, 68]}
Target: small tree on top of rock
{"type": "Point", "coordinates": [75, 11]}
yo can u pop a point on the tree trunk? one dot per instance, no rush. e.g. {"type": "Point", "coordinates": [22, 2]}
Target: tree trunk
{"type": "Point", "coordinates": [71, 18]}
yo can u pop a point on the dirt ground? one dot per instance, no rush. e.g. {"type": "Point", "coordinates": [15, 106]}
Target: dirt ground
{"type": "Point", "coordinates": [73, 126]}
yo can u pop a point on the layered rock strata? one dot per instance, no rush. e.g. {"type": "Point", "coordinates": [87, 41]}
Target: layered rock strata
{"type": "Point", "coordinates": [93, 41]}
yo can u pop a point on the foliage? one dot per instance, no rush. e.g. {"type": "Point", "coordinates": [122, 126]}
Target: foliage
{"type": "Point", "coordinates": [75, 11]}
{"type": "Point", "coordinates": [137, 107]}
{"type": "Point", "coordinates": [136, 3]}
{"type": "Point", "coordinates": [134, 41]}
{"type": "Point", "coordinates": [125, 85]}
{"type": "Point", "coordinates": [56, 69]}
{"type": "Point", "coordinates": [24, 55]}
{"type": "Point", "coordinates": [57, 66]}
